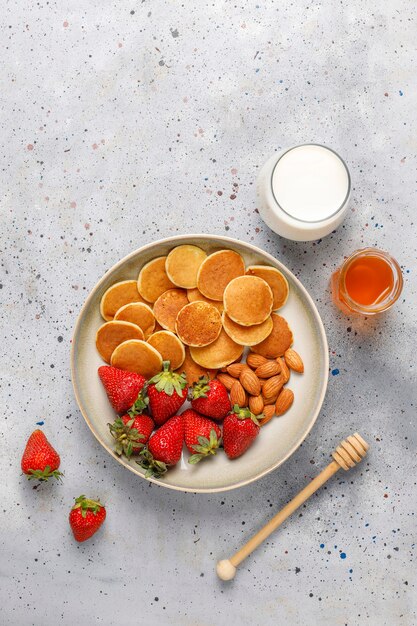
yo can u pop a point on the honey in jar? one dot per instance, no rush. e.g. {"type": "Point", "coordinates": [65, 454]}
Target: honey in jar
{"type": "Point", "coordinates": [367, 283]}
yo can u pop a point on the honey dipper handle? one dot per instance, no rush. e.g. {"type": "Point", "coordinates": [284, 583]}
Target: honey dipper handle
{"type": "Point", "coordinates": [280, 517]}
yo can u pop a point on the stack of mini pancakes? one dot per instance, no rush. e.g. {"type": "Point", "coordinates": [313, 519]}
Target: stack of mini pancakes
{"type": "Point", "coordinates": [195, 310]}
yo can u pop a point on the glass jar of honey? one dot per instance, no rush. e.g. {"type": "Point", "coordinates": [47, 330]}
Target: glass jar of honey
{"type": "Point", "coordinates": [367, 283]}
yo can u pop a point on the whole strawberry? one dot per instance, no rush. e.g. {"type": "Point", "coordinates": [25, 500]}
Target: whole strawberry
{"type": "Point", "coordinates": [167, 392]}
{"type": "Point", "coordinates": [86, 517]}
{"type": "Point", "coordinates": [131, 433]}
{"type": "Point", "coordinates": [210, 398]}
{"type": "Point", "coordinates": [202, 436]}
{"type": "Point", "coordinates": [164, 448]}
{"type": "Point", "coordinates": [40, 460]}
{"type": "Point", "coordinates": [122, 388]}
{"type": "Point", "coordinates": [240, 429]}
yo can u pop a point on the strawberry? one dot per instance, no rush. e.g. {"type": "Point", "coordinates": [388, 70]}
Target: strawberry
{"type": "Point", "coordinates": [202, 436]}
{"type": "Point", "coordinates": [164, 448]}
{"type": "Point", "coordinates": [39, 459]}
{"type": "Point", "coordinates": [210, 398]}
{"type": "Point", "coordinates": [240, 429]}
{"type": "Point", "coordinates": [86, 517]}
{"type": "Point", "coordinates": [122, 387]}
{"type": "Point", "coordinates": [167, 392]}
{"type": "Point", "coordinates": [131, 433]}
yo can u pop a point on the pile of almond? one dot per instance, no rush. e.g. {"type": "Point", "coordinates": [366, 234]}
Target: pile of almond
{"type": "Point", "coordinates": [260, 383]}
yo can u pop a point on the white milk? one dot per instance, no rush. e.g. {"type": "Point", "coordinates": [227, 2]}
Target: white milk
{"type": "Point", "coordinates": [304, 192]}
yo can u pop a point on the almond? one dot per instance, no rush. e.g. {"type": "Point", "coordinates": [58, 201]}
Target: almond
{"type": "Point", "coordinates": [256, 404]}
{"type": "Point", "coordinates": [294, 361]}
{"type": "Point", "coordinates": [238, 395]}
{"type": "Point", "coordinates": [255, 360]}
{"type": "Point", "coordinates": [272, 387]}
{"type": "Point", "coordinates": [284, 401]}
{"type": "Point", "coordinates": [236, 369]}
{"type": "Point", "coordinates": [226, 380]}
{"type": "Point", "coordinates": [285, 372]}
{"type": "Point", "coordinates": [268, 413]}
{"type": "Point", "coordinates": [268, 369]}
{"type": "Point", "coordinates": [250, 382]}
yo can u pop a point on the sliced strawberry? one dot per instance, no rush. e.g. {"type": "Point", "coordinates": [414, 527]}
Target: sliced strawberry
{"type": "Point", "coordinates": [240, 429]}
{"type": "Point", "coordinates": [167, 392]}
{"type": "Point", "coordinates": [210, 398]}
{"type": "Point", "coordinates": [164, 448]}
{"type": "Point", "coordinates": [131, 433]}
{"type": "Point", "coordinates": [122, 388]}
{"type": "Point", "coordinates": [202, 436]}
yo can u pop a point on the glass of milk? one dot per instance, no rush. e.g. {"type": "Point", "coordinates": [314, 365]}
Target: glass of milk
{"type": "Point", "coordinates": [304, 192]}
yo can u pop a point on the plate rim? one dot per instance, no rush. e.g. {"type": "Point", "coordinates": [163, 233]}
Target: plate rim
{"type": "Point", "coordinates": [212, 238]}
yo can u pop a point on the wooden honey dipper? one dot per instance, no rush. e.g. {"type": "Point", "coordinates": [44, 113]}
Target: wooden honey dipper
{"type": "Point", "coordinates": [349, 453]}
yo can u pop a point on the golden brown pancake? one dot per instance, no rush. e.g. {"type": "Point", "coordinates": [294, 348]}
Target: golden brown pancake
{"type": "Point", "coordinates": [182, 265]}
{"type": "Point", "coordinates": [216, 272]}
{"type": "Point", "coordinates": [194, 294]}
{"type": "Point", "coordinates": [247, 335]}
{"type": "Point", "coordinates": [198, 324]}
{"type": "Point", "coordinates": [117, 296]}
{"type": "Point", "coordinates": [167, 307]}
{"type": "Point", "coordinates": [138, 313]}
{"type": "Point", "coordinates": [169, 347]}
{"type": "Point", "coordinates": [276, 280]}
{"type": "Point", "coordinates": [153, 279]}
{"type": "Point", "coordinates": [137, 356]}
{"type": "Point", "coordinates": [278, 341]}
{"type": "Point", "coordinates": [248, 300]}
{"type": "Point", "coordinates": [111, 334]}
{"type": "Point", "coordinates": [218, 354]}
{"type": "Point", "coordinates": [192, 370]}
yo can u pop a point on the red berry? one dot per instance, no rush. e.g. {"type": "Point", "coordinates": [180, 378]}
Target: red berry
{"type": "Point", "coordinates": [164, 447]}
{"type": "Point", "coordinates": [167, 392]}
{"type": "Point", "coordinates": [131, 433]}
{"type": "Point", "coordinates": [122, 388]}
{"type": "Point", "coordinates": [202, 436]}
{"type": "Point", "coordinates": [240, 429]}
{"type": "Point", "coordinates": [86, 517]}
{"type": "Point", "coordinates": [40, 460]}
{"type": "Point", "coordinates": [210, 398]}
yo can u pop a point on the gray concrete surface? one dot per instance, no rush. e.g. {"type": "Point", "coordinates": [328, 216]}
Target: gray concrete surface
{"type": "Point", "coordinates": [123, 122]}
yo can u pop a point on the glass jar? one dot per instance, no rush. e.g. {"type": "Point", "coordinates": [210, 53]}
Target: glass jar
{"type": "Point", "coordinates": [367, 283]}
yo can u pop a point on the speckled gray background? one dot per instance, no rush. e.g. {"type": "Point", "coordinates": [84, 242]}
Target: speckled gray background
{"type": "Point", "coordinates": [123, 122]}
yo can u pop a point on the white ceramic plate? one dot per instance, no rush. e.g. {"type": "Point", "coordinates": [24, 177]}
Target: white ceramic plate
{"type": "Point", "coordinates": [276, 442]}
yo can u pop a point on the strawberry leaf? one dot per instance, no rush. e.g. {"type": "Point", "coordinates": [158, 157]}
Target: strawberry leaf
{"type": "Point", "coordinates": [44, 475]}
{"type": "Point", "coordinates": [140, 404]}
{"type": "Point", "coordinates": [169, 381]}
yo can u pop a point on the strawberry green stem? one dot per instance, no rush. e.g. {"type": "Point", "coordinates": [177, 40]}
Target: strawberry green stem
{"type": "Point", "coordinates": [44, 475]}
{"type": "Point", "coordinates": [86, 504]}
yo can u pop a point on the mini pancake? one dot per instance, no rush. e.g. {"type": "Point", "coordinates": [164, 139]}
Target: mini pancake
{"type": "Point", "coordinates": [111, 334]}
{"type": "Point", "coordinates": [248, 300]}
{"type": "Point", "coordinates": [137, 356]}
{"type": "Point", "coordinates": [153, 279]}
{"type": "Point", "coordinates": [247, 335]}
{"type": "Point", "coordinates": [138, 313]}
{"type": "Point", "coordinates": [117, 296]}
{"type": "Point", "coordinates": [198, 324]}
{"type": "Point", "coordinates": [194, 294]}
{"type": "Point", "coordinates": [278, 341]}
{"type": "Point", "coordinates": [169, 347]}
{"type": "Point", "coordinates": [167, 307]}
{"type": "Point", "coordinates": [218, 354]}
{"type": "Point", "coordinates": [276, 280]}
{"type": "Point", "coordinates": [216, 272]}
{"type": "Point", "coordinates": [182, 265]}
{"type": "Point", "coordinates": [192, 370]}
